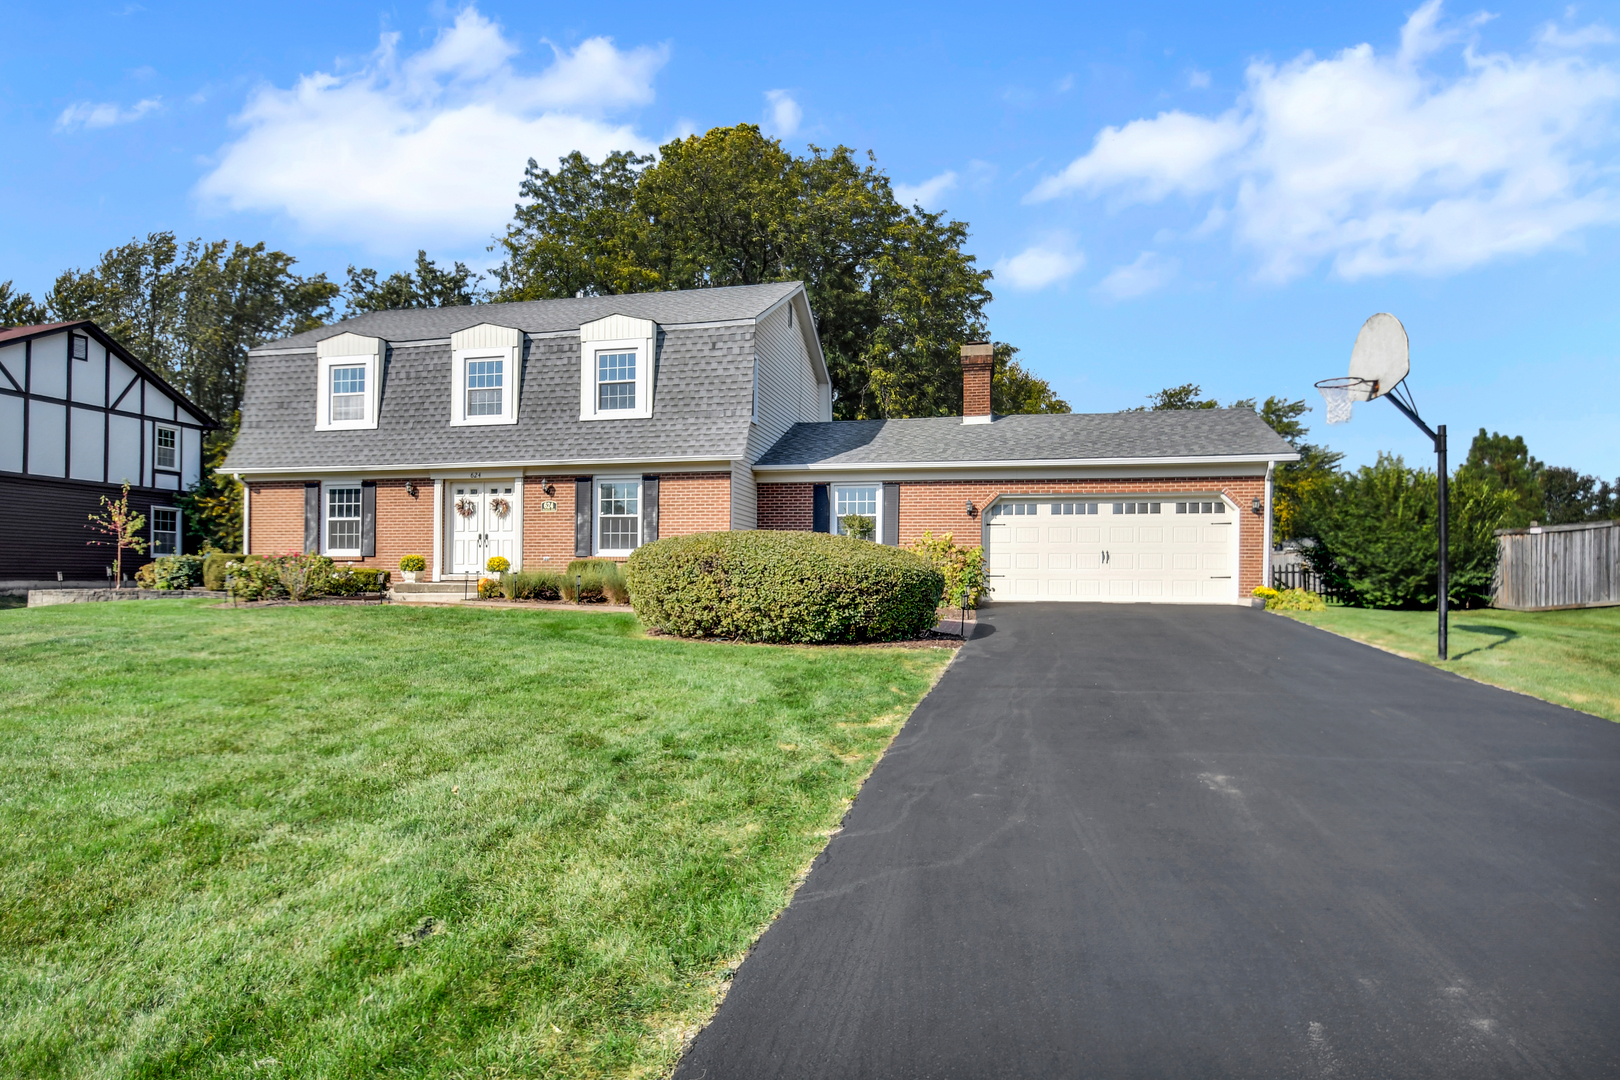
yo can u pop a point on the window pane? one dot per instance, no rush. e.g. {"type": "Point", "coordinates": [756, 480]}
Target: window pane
{"type": "Point", "coordinates": [166, 440]}
{"type": "Point", "coordinates": [616, 380]}
{"type": "Point", "coordinates": [619, 533]}
{"type": "Point", "coordinates": [348, 380]}
{"type": "Point", "coordinates": [857, 500]}
{"type": "Point", "coordinates": [620, 498]}
{"type": "Point", "coordinates": [343, 519]}
{"type": "Point", "coordinates": [165, 531]}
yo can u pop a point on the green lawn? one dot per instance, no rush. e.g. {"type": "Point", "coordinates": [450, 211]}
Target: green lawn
{"type": "Point", "coordinates": [1569, 657]}
{"type": "Point", "coordinates": [339, 841]}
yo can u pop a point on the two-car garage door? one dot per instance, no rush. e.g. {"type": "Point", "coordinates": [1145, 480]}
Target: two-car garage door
{"type": "Point", "coordinates": [1176, 550]}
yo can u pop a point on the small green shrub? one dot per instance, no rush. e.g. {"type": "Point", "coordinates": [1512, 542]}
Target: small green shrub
{"type": "Point", "coordinates": [214, 564]}
{"type": "Point", "coordinates": [1290, 599]}
{"type": "Point", "coordinates": [497, 564]}
{"type": "Point", "coordinates": [598, 581]}
{"type": "Point", "coordinates": [489, 588]}
{"type": "Point", "coordinates": [144, 577]}
{"type": "Point", "coordinates": [177, 571]}
{"type": "Point", "coordinates": [534, 585]}
{"type": "Point", "coordinates": [293, 576]}
{"type": "Point", "coordinates": [253, 578]}
{"type": "Point", "coordinates": [413, 563]}
{"type": "Point", "coordinates": [967, 578]}
{"type": "Point", "coordinates": [354, 580]}
{"type": "Point", "coordinates": [783, 586]}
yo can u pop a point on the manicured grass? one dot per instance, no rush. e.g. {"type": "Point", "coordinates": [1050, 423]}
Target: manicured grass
{"type": "Point", "coordinates": [1568, 657]}
{"type": "Point", "coordinates": [385, 841]}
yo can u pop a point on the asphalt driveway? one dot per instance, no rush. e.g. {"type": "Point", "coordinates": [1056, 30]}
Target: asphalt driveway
{"type": "Point", "coordinates": [1138, 841]}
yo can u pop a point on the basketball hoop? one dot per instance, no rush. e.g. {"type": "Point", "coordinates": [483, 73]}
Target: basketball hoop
{"type": "Point", "coordinates": [1343, 392]}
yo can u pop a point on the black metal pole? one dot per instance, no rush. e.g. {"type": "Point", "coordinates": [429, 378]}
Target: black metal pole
{"type": "Point", "coordinates": [1445, 485]}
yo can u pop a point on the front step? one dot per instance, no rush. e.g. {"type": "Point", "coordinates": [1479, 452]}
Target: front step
{"type": "Point", "coordinates": [433, 592]}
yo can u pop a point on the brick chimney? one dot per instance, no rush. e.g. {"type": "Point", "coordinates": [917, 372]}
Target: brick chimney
{"type": "Point", "coordinates": [978, 358]}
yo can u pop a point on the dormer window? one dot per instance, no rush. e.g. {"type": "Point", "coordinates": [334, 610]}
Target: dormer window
{"type": "Point", "coordinates": [618, 367]}
{"type": "Point", "coordinates": [349, 392]}
{"type": "Point", "coordinates": [81, 346]}
{"type": "Point", "coordinates": [484, 379]}
{"type": "Point", "coordinates": [615, 381]}
{"type": "Point", "coordinates": [348, 372]}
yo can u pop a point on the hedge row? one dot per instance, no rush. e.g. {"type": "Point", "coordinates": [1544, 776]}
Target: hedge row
{"type": "Point", "coordinates": [783, 586]}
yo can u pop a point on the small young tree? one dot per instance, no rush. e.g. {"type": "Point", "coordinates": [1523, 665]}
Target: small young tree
{"type": "Point", "coordinates": [124, 526]}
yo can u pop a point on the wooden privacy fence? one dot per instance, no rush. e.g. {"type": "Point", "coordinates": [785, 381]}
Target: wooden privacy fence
{"type": "Point", "coordinates": [1558, 566]}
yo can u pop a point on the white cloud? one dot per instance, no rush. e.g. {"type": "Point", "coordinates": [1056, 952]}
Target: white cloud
{"type": "Point", "coordinates": [430, 147]}
{"type": "Point", "coordinates": [928, 192]}
{"type": "Point", "coordinates": [1150, 271]}
{"type": "Point", "coordinates": [784, 113]}
{"type": "Point", "coordinates": [1378, 164]}
{"type": "Point", "coordinates": [1041, 265]}
{"type": "Point", "coordinates": [1198, 80]}
{"type": "Point", "coordinates": [89, 114]}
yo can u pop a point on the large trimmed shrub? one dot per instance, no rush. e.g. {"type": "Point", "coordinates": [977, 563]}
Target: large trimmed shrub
{"type": "Point", "coordinates": [782, 586]}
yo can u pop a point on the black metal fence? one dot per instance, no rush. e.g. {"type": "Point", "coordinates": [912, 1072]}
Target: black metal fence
{"type": "Point", "coordinates": [1301, 576]}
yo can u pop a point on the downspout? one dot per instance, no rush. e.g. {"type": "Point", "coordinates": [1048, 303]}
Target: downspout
{"type": "Point", "coordinates": [247, 545]}
{"type": "Point", "coordinates": [1271, 467]}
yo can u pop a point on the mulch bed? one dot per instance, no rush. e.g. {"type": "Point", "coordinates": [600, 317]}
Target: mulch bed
{"type": "Point", "coordinates": [933, 639]}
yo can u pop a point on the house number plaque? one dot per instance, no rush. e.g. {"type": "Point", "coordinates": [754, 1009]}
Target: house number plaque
{"type": "Point", "coordinates": [548, 505]}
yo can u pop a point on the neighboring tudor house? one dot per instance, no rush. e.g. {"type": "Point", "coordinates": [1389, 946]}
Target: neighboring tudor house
{"type": "Point", "coordinates": [80, 417]}
{"type": "Point", "coordinates": [551, 429]}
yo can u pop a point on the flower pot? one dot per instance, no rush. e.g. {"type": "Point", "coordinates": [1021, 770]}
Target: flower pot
{"type": "Point", "coordinates": [409, 576]}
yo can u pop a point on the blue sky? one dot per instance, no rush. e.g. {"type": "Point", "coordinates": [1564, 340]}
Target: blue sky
{"type": "Point", "coordinates": [1167, 193]}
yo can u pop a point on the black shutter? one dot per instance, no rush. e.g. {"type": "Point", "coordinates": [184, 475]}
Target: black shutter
{"type": "Point", "coordinates": [368, 518]}
{"type": "Point", "coordinates": [821, 510]}
{"type": "Point", "coordinates": [312, 517]}
{"type": "Point", "coordinates": [649, 509]}
{"type": "Point", "coordinates": [582, 516]}
{"type": "Point", "coordinates": [891, 515]}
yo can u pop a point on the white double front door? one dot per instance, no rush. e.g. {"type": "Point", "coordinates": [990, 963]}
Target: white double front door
{"type": "Point", "coordinates": [483, 524]}
{"type": "Point", "coordinates": [1156, 549]}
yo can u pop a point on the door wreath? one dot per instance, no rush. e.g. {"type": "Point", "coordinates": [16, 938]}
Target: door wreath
{"type": "Point", "coordinates": [466, 507]}
{"type": "Point", "coordinates": [500, 506]}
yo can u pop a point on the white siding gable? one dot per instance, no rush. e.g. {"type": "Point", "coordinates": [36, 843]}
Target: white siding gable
{"type": "Point", "coordinates": [787, 391]}
{"type": "Point", "coordinates": [618, 334]}
{"type": "Point", "coordinates": [485, 342]}
{"type": "Point", "coordinates": [345, 350]}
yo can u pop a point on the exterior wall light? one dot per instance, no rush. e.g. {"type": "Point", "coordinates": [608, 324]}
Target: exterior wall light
{"type": "Point", "coordinates": [410, 488]}
{"type": "Point", "coordinates": [1257, 506]}
{"type": "Point", "coordinates": [970, 508]}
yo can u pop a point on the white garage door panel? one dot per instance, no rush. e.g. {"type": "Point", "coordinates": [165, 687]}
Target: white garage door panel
{"type": "Point", "coordinates": [1163, 551]}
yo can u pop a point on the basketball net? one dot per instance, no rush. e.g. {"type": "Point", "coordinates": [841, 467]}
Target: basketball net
{"type": "Point", "coordinates": [1339, 405]}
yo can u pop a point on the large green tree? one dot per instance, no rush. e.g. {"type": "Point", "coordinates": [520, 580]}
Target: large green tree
{"type": "Point", "coordinates": [18, 309]}
{"type": "Point", "coordinates": [894, 291]}
{"type": "Point", "coordinates": [192, 312]}
{"type": "Point", "coordinates": [1376, 540]}
{"type": "Point", "coordinates": [428, 287]}
{"type": "Point", "coordinates": [1549, 494]}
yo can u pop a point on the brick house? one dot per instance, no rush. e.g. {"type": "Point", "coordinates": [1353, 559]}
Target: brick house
{"type": "Point", "coordinates": [553, 429]}
{"type": "Point", "coordinates": [79, 417]}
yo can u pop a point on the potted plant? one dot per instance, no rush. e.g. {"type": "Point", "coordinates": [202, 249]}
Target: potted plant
{"type": "Point", "coordinates": [498, 564]}
{"type": "Point", "coordinates": [410, 566]}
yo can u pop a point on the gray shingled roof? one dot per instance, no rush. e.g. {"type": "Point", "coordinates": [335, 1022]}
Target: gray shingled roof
{"type": "Point", "coordinates": [551, 316]}
{"type": "Point", "coordinates": [1190, 433]}
{"type": "Point", "coordinates": [702, 399]}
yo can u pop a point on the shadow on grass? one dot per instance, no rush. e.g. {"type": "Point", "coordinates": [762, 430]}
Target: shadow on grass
{"type": "Point", "coordinates": [1501, 633]}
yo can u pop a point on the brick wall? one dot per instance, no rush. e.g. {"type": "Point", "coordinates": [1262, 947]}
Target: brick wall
{"type": "Point", "coordinates": [548, 535]}
{"type": "Point", "coordinates": [404, 521]}
{"type": "Point", "coordinates": [693, 502]}
{"type": "Point", "coordinates": [275, 516]}
{"type": "Point", "coordinates": [687, 503]}
{"type": "Point", "coordinates": [940, 506]}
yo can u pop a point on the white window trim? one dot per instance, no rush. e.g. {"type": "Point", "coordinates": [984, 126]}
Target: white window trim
{"type": "Point", "coordinates": [645, 359]}
{"type": "Point", "coordinates": [596, 514]}
{"type": "Point", "coordinates": [179, 529]}
{"type": "Point", "coordinates": [323, 395]}
{"type": "Point", "coordinates": [326, 518]}
{"type": "Point", "coordinates": [175, 468]}
{"type": "Point", "coordinates": [511, 375]}
{"type": "Point", "coordinates": [832, 509]}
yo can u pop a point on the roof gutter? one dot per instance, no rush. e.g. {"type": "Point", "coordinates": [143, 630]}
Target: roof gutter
{"type": "Point", "coordinates": [1025, 463]}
